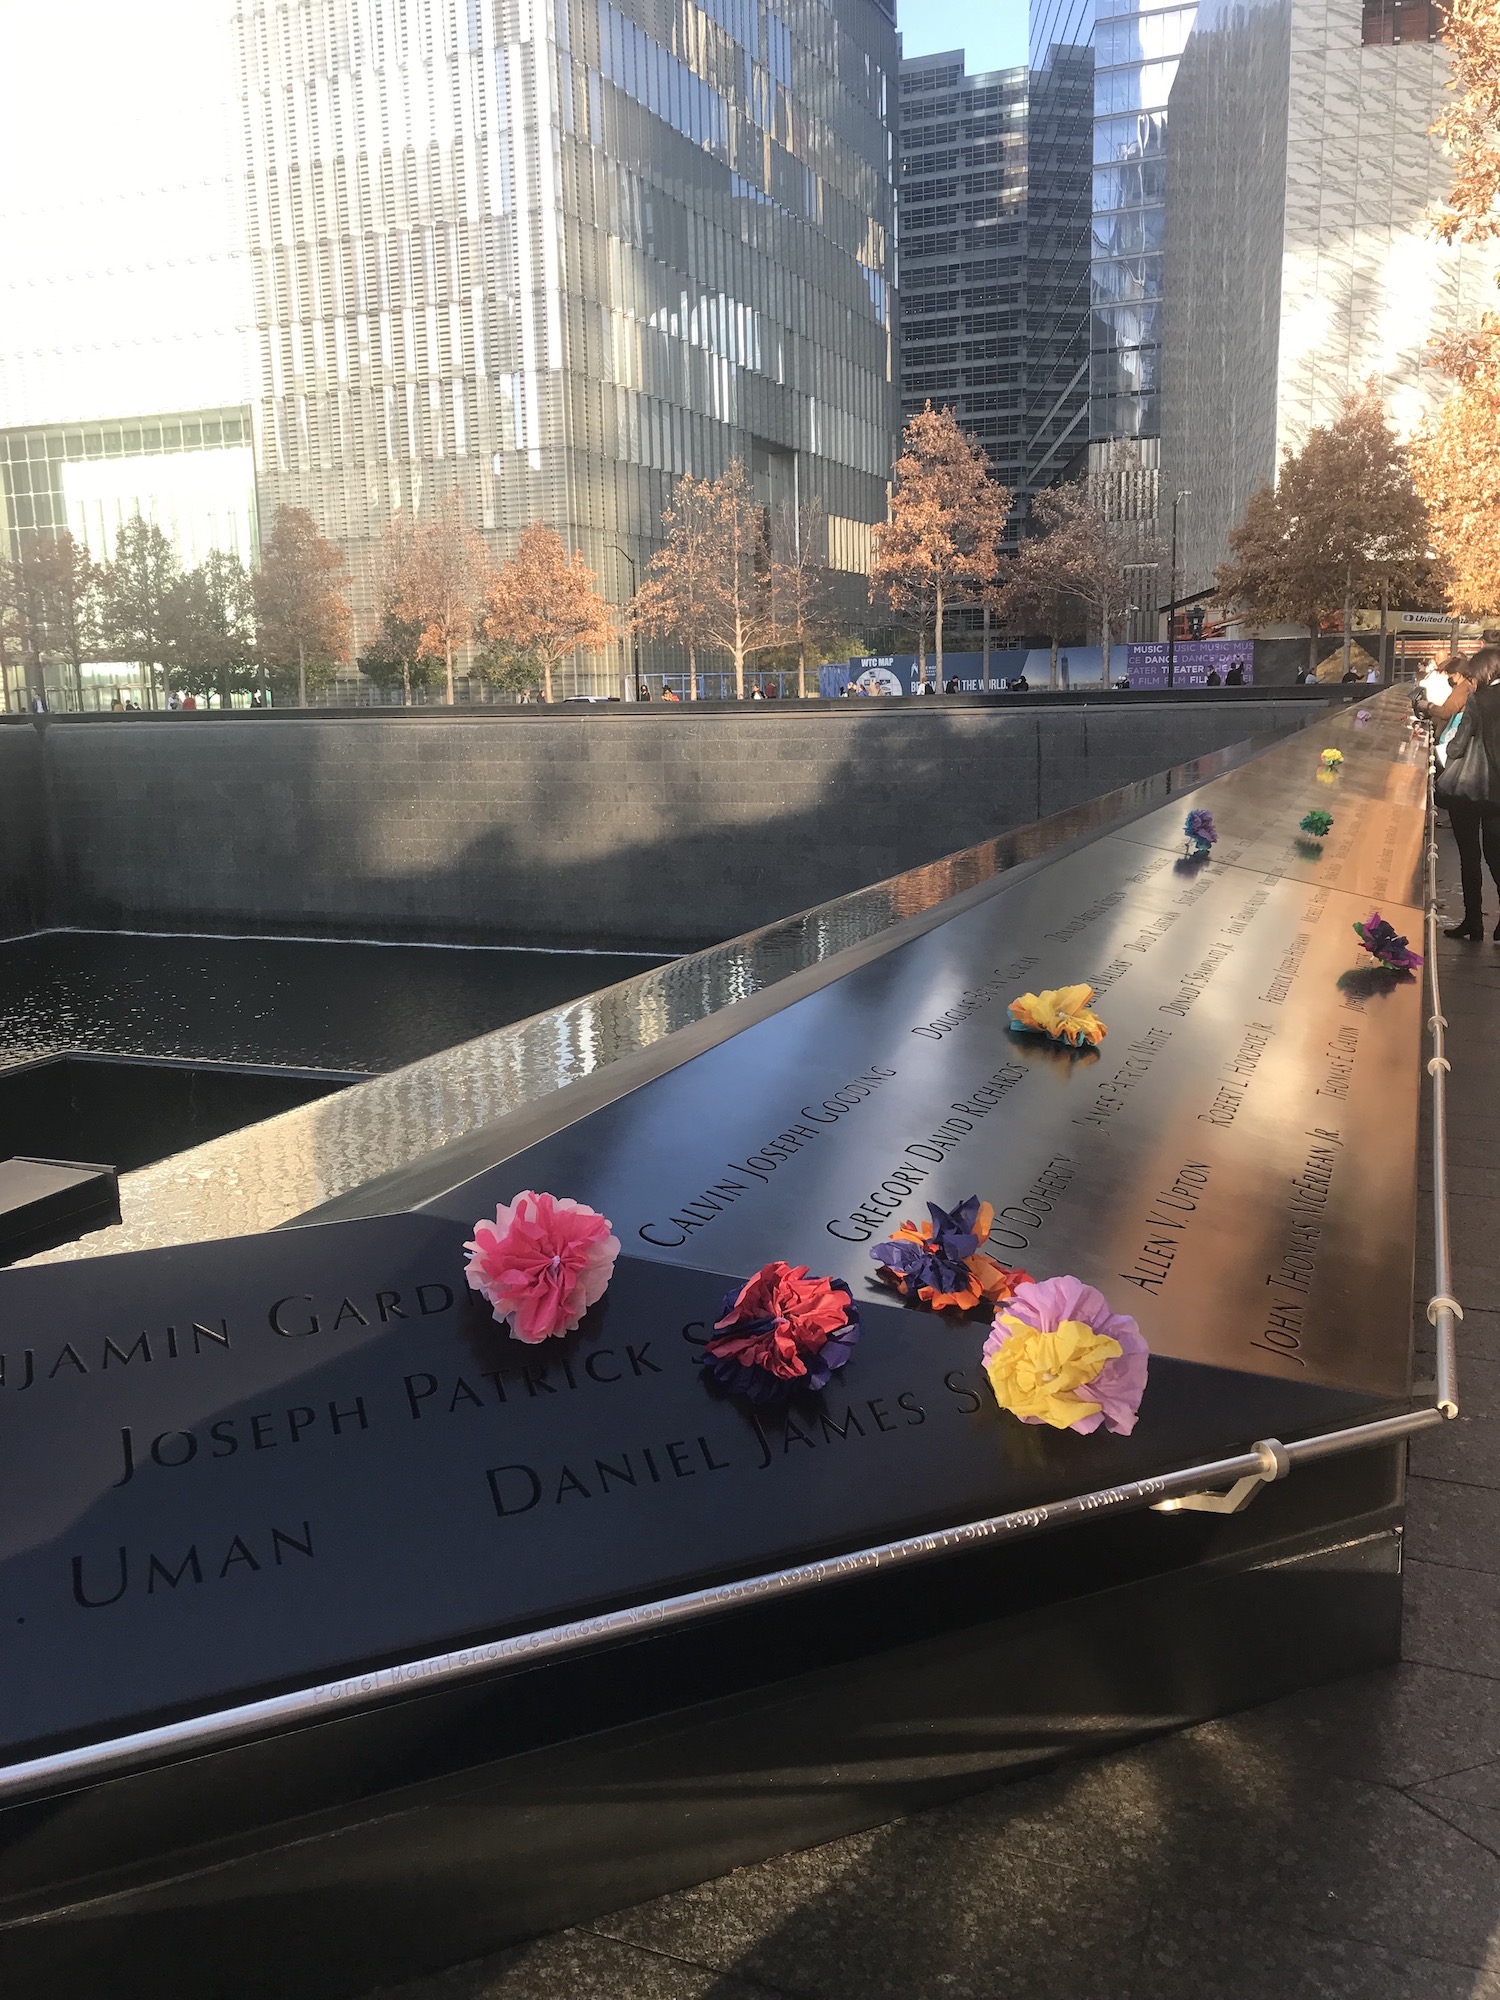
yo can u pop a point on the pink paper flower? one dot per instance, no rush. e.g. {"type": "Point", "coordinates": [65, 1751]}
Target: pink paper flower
{"type": "Point", "coordinates": [542, 1263]}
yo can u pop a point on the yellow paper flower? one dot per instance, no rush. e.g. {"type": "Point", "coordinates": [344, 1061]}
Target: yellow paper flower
{"type": "Point", "coordinates": [1331, 759]}
{"type": "Point", "coordinates": [1035, 1374]}
{"type": "Point", "coordinates": [1062, 1013]}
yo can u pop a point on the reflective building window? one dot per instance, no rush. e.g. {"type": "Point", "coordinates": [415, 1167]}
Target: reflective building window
{"type": "Point", "coordinates": [995, 181]}
{"type": "Point", "coordinates": [556, 256]}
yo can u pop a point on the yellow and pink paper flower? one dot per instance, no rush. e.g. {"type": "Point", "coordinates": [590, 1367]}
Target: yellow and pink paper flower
{"type": "Point", "coordinates": [1062, 1014]}
{"type": "Point", "coordinates": [1330, 759]}
{"type": "Point", "coordinates": [542, 1263]}
{"type": "Point", "coordinates": [1059, 1354]}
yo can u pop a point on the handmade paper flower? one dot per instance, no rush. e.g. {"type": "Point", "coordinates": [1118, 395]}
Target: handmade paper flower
{"type": "Point", "coordinates": [1382, 941]}
{"type": "Point", "coordinates": [940, 1262]}
{"type": "Point", "coordinates": [542, 1263]}
{"type": "Point", "coordinates": [1199, 830]}
{"type": "Point", "coordinates": [780, 1332]}
{"type": "Point", "coordinates": [1062, 1014]}
{"type": "Point", "coordinates": [1362, 716]}
{"type": "Point", "coordinates": [1316, 822]}
{"type": "Point", "coordinates": [1331, 759]}
{"type": "Point", "coordinates": [1059, 1355]}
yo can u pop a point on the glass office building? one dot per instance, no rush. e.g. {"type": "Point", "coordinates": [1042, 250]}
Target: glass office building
{"type": "Point", "coordinates": [1300, 256]}
{"type": "Point", "coordinates": [192, 473]}
{"type": "Point", "coordinates": [994, 256]}
{"type": "Point", "coordinates": [1136, 51]}
{"type": "Point", "coordinates": [555, 256]}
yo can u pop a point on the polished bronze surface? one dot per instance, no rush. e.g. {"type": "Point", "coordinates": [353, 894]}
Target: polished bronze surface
{"type": "Point", "coordinates": [1235, 1164]}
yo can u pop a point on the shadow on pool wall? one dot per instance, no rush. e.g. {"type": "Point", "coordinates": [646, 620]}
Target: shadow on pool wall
{"type": "Point", "coordinates": [635, 829]}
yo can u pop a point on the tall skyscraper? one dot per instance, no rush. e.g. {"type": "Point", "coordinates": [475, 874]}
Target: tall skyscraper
{"type": "Point", "coordinates": [1299, 260]}
{"type": "Point", "coordinates": [1137, 45]}
{"type": "Point", "coordinates": [994, 256]}
{"type": "Point", "coordinates": [554, 256]}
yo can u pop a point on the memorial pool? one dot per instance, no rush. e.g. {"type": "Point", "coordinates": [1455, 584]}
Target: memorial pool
{"type": "Point", "coordinates": [312, 1583]}
{"type": "Point", "coordinates": [128, 1048]}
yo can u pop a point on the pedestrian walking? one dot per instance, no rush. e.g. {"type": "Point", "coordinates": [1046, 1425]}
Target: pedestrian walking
{"type": "Point", "coordinates": [1468, 787]}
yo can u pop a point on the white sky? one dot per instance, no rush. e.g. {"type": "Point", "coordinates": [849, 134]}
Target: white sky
{"type": "Point", "coordinates": [122, 290]}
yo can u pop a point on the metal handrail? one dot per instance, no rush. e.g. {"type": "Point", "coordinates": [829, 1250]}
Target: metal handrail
{"type": "Point", "coordinates": [1443, 1310]}
{"type": "Point", "coordinates": [1268, 1460]}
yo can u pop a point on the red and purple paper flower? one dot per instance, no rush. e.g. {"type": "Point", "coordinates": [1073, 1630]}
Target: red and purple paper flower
{"type": "Point", "coordinates": [1059, 1354]}
{"type": "Point", "coordinates": [1385, 944]}
{"type": "Point", "coordinates": [782, 1332]}
{"type": "Point", "coordinates": [1200, 831]}
{"type": "Point", "coordinates": [542, 1263]}
{"type": "Point", "coordinates": [940, 1262]}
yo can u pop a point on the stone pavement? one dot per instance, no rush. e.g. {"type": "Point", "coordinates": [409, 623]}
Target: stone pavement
{"type": "Point", "coordinates": [1342, 1842]}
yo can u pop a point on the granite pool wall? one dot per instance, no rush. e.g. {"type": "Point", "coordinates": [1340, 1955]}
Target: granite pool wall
{"type": "Point", "coordinates": [631, 826]}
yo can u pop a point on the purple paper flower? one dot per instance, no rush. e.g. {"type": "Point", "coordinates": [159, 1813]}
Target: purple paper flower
{"type": "Point", "coordinates": [1074, 1311]}
{"type": "Point", "coordinates": [1362, 716]}
{"type": "Point", "coordinates": [1385, 944]}
{"type": "Point", "coordinates": [1200, 830]}
{"type": "Point", "coordinates": [940, 1262]}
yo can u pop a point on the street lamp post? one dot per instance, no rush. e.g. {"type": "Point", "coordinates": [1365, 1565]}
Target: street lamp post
{"type": "Point", "coordinates": [635, 644]}
{"type": "Point", "coordinates": [1172, 595]}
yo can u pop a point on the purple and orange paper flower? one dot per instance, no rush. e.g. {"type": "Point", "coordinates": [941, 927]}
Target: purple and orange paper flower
{"type": "Point", "coordinates": [1199, 831]}
{"type": "Point", "coordinates": [1059, 1354]}
{"type": "Point", "coordinates": [542, 1263]}
{"type": "Point", "coordinates": [1317, 823]}
{"type": "Point", "coordinates": [781, 1332]}
{"type": "Point", "coordinates": [940, 1262]}
{"type": "Point", "coordinates": [1385, 945]}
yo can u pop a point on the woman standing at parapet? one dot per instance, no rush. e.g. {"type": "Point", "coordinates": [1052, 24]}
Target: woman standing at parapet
{"type": "Point", "coordinates": [1468, 786]}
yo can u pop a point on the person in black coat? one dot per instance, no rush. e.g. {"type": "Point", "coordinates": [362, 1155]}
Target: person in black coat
{"type": "Point", "coordinates": [1474, 765]}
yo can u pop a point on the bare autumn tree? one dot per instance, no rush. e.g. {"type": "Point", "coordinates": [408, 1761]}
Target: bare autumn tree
{"type": "Point", "coordinates": [392, 658]}
{"type": "Point", "coordinates": [1073, 556]}
{"type": "Point", "coordinates": [301, 610]}
{"type": "Point", "coordinates": [10, 652]}
{"type": "Point", "coordinates": [138, 587]}
{"type": "Point", "coordinates": [1455, 460]}
{"type": "Point", "coordinates": [1469, 127]}
{"type": "Point", "coordinates": [680, 580]}
{"type": "Point", "coordinates": [72, 586]}
{"type": "Point", "coordinates": [1456, 455]}
{"type": "Point", "coordinates": [442, 581]}
{"type": "Point", "coordinates": [947, 516]}
{"type": "Point", "coordinates": [545, 604]}
{"type": "Point", "coordinates": [800, 586]}
{"type": "Point", "coordinates": [25, 612]}
{"type": "Point", "coordinates": [1344, 525]}
{"type": "Point", "coordinates": [211, 628]}
{"type": "Point", "coordinates": [708, 585]}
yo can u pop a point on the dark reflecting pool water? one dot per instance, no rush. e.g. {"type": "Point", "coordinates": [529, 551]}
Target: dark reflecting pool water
{"type": "Point", "coordinates": [305, 1003]}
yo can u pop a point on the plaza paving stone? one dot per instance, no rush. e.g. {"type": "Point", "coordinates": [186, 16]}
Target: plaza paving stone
{"type": "Point", "coordinates": [1342, 1842]}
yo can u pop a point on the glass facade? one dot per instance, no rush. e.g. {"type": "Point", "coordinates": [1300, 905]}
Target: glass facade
{"type": "Point", "coordinates": [555, 253]}
{"type": "Point", "coordinates": [1136, 50]}
{"type": "Point", "coordinates": [1305, 264]}
{"type": "Point", "coordinates": [994, 256]}
{"type": "Point", "coordinates": [192, 473]}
